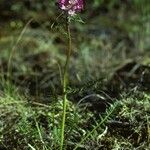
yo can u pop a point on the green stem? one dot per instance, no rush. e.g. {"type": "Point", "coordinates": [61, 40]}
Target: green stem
{"type": "Point", "coordinates": [9, 67]}
{"type": "Point", "coordinates": [65, 84]}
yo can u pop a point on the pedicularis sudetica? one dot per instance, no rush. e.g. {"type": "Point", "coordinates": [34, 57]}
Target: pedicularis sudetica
{"type": "Point", "coordinates": [69, 8]}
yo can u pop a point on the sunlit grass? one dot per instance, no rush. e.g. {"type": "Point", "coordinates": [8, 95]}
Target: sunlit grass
{"type": "Point", "coordinates": [36, 126]}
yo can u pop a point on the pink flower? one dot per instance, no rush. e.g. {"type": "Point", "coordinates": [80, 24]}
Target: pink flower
{"type": "Point", "coordinates": [71, 6]}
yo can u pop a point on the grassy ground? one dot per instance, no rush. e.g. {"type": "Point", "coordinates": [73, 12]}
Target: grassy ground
{"type": "Point", "coordinates": [109, 85]}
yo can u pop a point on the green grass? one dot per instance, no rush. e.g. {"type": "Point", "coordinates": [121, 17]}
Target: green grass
{"type": "Point", "coordinates": [31, 125]}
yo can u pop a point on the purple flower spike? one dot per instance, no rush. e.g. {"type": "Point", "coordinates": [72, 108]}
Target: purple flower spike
{"type": "Point", "coordinates": [71, 6]}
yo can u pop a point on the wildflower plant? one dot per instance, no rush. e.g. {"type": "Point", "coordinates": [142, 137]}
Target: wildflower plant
{"type": "Point", "coordinates": [69, 8]}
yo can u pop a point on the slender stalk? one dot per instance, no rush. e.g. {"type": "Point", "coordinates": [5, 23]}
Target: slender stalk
{"type": "Point", "coordinates": [65, 84]}
{"type": "Point", "coordinates": [9, 67]}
